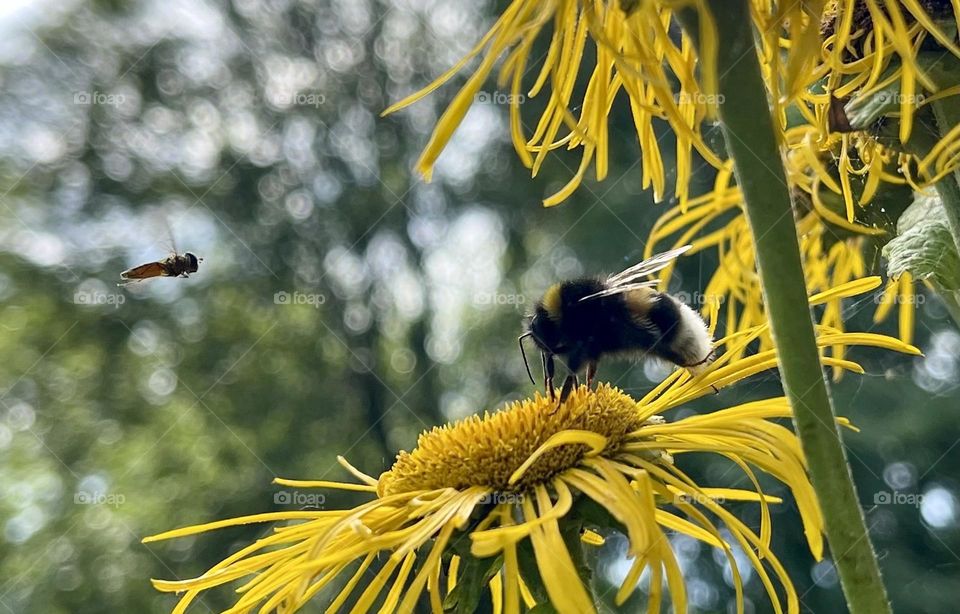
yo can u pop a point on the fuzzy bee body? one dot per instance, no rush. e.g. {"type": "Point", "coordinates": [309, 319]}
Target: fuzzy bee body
{"type": "Point", "coordinates": [585, 320]}
{"type": "Point", "coordinates": [641, 321]}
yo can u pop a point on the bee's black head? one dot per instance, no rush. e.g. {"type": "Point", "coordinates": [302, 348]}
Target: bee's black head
{"type": "Point", "coordinates": [543, 325]}
{"type": "Point", "coordinates": [193, 263]}
{"type": "Point", "coordinates": [545, 332]}
{"type": "Point", "coordinates": [545, 336]}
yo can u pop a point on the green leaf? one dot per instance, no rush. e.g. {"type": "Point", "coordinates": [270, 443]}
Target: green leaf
{"type": "Point", "coordinates": [530, 571]}
{"type": "Point", "coordinates": [474, 576]}
{"type": "Point", "coordinates": [924, 246]}
{"type": "Point", "coordinates": [864, 111]}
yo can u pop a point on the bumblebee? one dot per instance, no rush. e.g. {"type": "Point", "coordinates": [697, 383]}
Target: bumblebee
{"type": "Point", "coordinates": [623, 316]}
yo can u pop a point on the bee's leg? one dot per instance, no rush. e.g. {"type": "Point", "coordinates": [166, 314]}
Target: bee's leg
{"type": "Point", "coordinates": [591, 373]}
{"type": "Point", "coordinates": [706, 359]}
{"type": "Point", "coordinates": [565, 390]}
{"type": "Point", "coordinates": [680, 360]}
{"type": "Point", "coordinates": [548, 370]}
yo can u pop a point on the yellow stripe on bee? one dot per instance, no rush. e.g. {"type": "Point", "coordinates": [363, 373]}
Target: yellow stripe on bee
{"type": "Point", "coordinates": [639, 301]}
{"type": "Point", "coordinates": [551, 301]}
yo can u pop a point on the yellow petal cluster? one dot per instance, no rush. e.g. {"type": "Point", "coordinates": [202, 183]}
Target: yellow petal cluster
{"type": "Point", "coordinates": [716, 221]}
{"type": "Point", "coordinates": [874, 49]}
{"type": "Point", "coordinates": [869, 44]}
{"type": "Point", "coordinates": [814, 55]}
{"type": "Point", "coordinates": [621, 48]}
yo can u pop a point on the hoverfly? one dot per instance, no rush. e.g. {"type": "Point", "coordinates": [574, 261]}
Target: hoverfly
{"type": "Point", "coordinates": [174, 265]}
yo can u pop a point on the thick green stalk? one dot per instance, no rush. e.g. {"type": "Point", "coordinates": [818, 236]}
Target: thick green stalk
{"type": "Point", "coordinates": [752, 144]}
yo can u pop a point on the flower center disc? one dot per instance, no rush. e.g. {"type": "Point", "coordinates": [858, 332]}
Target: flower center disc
{"type": "Point", "coordinates": [485, 451]}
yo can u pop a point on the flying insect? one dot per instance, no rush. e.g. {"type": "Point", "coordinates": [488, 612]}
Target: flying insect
{"type": "Point", "coordinates": [174, 265]}
{"type": "Point", "coordinates": [584, 320]}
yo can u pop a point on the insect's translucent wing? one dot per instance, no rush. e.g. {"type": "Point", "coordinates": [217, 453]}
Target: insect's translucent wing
{"type": "Point", "coordinates": [168, 242]}
{"type": "Point", "coordinates": [156, 236]}
{"type": "Point", "coordinates": [636, 276]}
{"type": "Point", "coordinates": [622, 288]}
{"type": "Point", "coordinates": [647, 267]}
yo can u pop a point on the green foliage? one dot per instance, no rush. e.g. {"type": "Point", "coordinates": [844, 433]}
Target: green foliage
{"type": "Point", "coordinates": [865, 112]}
{"type": "Point", "coordinates": [472, 579]}
{"type": "Point", "coordinates": [924, 245]}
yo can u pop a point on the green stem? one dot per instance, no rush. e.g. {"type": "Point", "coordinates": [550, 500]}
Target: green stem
{"type": "Point", "coordinates": [752, 144]}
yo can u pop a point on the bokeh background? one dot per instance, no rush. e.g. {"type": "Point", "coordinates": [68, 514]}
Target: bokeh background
{"type": "Point", "coordinates": [343, 305]}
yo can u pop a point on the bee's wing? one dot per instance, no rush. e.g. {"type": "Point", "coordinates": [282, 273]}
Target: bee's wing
{"type": "Point", "coordinates": [622, 288]}
{"type": "Point", "coordinates": [144, 271]}
{"type": "Point", "coordinates": [647, 267]}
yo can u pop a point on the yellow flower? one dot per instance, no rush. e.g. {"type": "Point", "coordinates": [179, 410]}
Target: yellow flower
{"type": "Point", "coordinates": [831, 248]}
{"type": "Point", "coordinates": [871, 50]}
{"type": "Point", "coordinates": [869, 44]}
{"type": "Point", "coordinates": [812, 55]}
{"type": "Point", "coordinates": [882, 54]}
{"type": "Point", "coordinates": [501, 496]}
{"type": "Point", "coordinates": [635, 48]}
